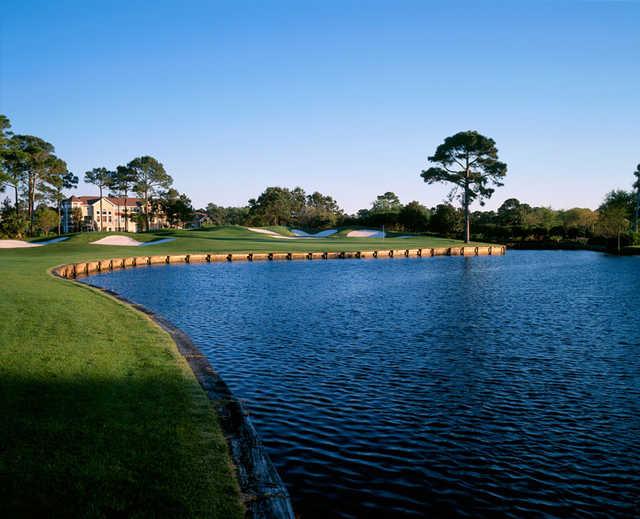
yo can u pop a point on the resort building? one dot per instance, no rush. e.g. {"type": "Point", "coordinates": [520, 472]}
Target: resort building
{"type": "Point", "coordinates": [82, 213]}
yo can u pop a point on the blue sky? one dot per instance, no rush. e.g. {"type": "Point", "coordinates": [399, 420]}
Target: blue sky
{"type": "Point", "coordinates": [348, 98]}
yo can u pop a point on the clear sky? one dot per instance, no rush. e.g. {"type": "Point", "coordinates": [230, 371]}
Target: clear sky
{"type": "Point", "coordinates": [348, 98]}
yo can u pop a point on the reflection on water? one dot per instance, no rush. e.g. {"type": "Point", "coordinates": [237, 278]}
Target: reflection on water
{"type": "Point", "coordinates": [437, 386]}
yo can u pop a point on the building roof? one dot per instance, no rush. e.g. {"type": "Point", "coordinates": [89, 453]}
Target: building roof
{"type": "Point", "coordinates": [88, 200]}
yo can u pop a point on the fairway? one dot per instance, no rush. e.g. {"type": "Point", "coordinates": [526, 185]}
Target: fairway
{"type": "Point", "coordinates": [101, 414]}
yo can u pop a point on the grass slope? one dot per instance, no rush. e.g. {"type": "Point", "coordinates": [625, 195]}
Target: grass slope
{"type": "Point", "coordinates": [101, 416]}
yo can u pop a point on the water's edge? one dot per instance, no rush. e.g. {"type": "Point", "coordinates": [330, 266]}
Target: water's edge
{"type": "Point", "coordinates": [263, 492]}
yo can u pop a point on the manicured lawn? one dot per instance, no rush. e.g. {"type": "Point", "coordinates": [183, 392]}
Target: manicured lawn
{"type": "Point", "coordinates": [101, 416]}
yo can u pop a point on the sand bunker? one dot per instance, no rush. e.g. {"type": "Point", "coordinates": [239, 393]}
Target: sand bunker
{"type": "Point", "coordinates": [121, 241]}
{"type": "Point", "coordinates": [20, 244]}
{"type": "Point", "coordinates": [322, 234]}
{"type": "Point", "coordinates": [273, 234]}
{"type": "Point", "coordinates": [263, 231]}
{"type": "Point", "coordinates": [125, 241]}
{"type": "Point", "coordinates": [365, 233]}
{"type": "Point", "coordinates": [298, 233]}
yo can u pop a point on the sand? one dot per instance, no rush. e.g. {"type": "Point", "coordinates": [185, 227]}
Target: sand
{"type": "Point", "coordinates": [121, 241]}
{"type": "Point", "coordinates": [20, 244]}
{"type": "Point", "coordinates": [297, 232]}
{"type": "Point", "coordinates": [273, 234]}
{"type": "Point", "coordinates": [263, 231]}
{"type": "Point", "coordinates": [366, 233]}
{"type": "Point", "coordinates": [126, 241]}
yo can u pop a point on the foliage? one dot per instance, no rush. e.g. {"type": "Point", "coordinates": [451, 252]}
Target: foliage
{"type": "Point", "coordinates": [122, 183]}
{"type": "Point", "coordinates": [613, 221]}
{"type": "Point", "coordinates": [13, 224]}
{"type": "Point", "coordinates": [101, 178]}
{"type": "Point", "coordinates": [414, 217]}
{"type": "Point", "coordinates": [469, 161]}
{"type": "Point", "coordinates": [624, 200]}
{"type": "Point", "coordinates": [55, 191]}
{"type": "Point", "coordinates": [512, 212]}
{"type": "Point", "coordinates": [5, 136]}
{"type": "Point", "coordinates": [636, 186]}
{"type": "Point", "coordinates": [320, 211]}
{"type": "Point", "coordinates": [276, 206]}
{"type": "Point", "coordinates": [46, 219]}
{"type": "Point", "coordinates": [177, 208]}
{"type": "Point", "coordinates": [76, 218]}
{"type": "Point", "coordinates": [32, 165]}
{"type": "Point", "coordinates": [218, 215]}
{"type": "Point", "coordinates": [293, 207]}
{"type": "Point", "coordinates": [446, 220]}
{"type": "Point", "coordinates": [150, 179]}
{"type": "Point", "coordinates": [386, 203]}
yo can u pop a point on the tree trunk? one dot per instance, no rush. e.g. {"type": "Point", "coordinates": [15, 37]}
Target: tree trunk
{"type": "Point", "coordinates": [59, 216]}
{"type": "Point", "coordinates": [100, 188]}
{"type": "Point", "coordinates": [467, 222]}
{"type": "Point", "coordinates": [618, 242]}
{"type": "Point", "coordinates": [126, 211]}
{"type": "Point", "coordinates": [146, 212]}
{"type": "Point", "coordinates": [637, 215]}
{"type": "Point", "coordinates": [467, 218]}
{"type": "Point", "coordinates": [31, 195]}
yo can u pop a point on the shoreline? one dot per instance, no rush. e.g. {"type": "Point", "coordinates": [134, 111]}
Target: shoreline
{"type": "Point", "coordinates": [262, 491]}
{"type": "Point", "coordinates": [74, 270]}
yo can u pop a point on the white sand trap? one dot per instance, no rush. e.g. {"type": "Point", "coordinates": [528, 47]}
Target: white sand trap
{"type": "Point", "coordinates": [272, 234]}
{"type": "Point", "coordinates": [156, 242]}
{"type": "Point", "coordinates": [20, 244]}
{"type": "Point", "coordinates": [263, 231]}
{"type": "Point", "coordinates": [121, 241]}
{"type": "Point", "coordinates": [321, 234]}
{"type": "Point", "coordinates": [365, 233]}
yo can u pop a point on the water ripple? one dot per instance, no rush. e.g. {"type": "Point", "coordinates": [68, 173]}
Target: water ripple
{"type": "Point", "coordinates": [437, 387]}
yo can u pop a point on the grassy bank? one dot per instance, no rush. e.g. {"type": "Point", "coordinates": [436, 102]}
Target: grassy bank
{"type": "Point", "coordinates": [101, 416]}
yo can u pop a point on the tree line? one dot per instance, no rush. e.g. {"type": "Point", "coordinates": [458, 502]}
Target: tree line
{"type": "Point", "coordinates": [514, 222]}
{"type": "Point", "coordinates": [36, 181]}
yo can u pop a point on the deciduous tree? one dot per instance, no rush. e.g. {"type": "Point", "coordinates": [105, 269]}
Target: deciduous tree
{"type": "Point", "coordinates": [414, 217]}
{"type": "Point", "coordinates": [446, 220]}
{"type": "Point", "coordinates": [177, 208]}
{"type": "Point", "coordinates": [276, 206]}
{"type": "Point", "coordinates": [613, 222]}
{"type": "Point", "coordinates": [46, 219]}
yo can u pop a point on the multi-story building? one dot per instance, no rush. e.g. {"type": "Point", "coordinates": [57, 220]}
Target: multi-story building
{"type": "Point", "coordinates": [114, 211]}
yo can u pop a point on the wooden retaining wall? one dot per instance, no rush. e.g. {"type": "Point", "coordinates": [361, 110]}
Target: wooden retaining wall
{"type": "Point", "coordinates": [74, 270]}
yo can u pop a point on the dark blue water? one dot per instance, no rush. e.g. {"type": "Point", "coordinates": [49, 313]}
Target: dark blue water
{"type": "Point", "coordinates": [427, 387]}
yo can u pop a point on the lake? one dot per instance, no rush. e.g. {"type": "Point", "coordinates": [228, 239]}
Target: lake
{"type": "Point", "coordinates": [466, 386]}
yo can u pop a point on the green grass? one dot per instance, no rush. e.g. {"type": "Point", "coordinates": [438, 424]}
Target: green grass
{"type": "Point", "coordinates": [101, 416]}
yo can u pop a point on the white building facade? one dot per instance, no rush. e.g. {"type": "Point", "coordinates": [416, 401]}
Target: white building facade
{"type": "Point", "coordinates": [118, 214]}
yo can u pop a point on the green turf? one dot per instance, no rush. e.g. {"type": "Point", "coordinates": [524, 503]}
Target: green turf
{"type": "Point", "coordinates": [101, 416]}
